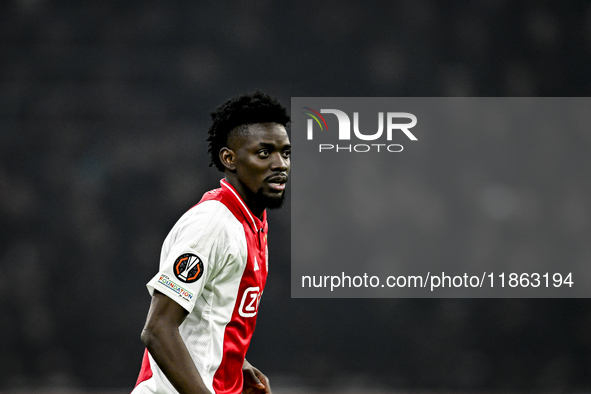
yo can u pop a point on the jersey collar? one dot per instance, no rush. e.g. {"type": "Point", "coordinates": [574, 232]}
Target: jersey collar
{"type": "Point", "coordinates": [254, 222]}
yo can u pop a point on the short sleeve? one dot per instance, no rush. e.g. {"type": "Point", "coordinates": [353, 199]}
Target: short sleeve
{"type": "Point", "coordinates": [191, 251]}
{"type": "Point", "coordinates": [182, 279]}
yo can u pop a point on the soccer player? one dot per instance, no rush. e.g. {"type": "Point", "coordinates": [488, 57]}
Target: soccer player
{"type": "Point", "coordinates": [214, 261]}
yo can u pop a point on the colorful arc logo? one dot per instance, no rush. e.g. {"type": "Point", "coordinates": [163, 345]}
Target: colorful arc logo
{"type": "Point", "coordinates": [315, 118]}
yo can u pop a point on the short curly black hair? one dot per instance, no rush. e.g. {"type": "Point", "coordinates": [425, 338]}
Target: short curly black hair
{"type": "Point", "coordinates": [239, 111]}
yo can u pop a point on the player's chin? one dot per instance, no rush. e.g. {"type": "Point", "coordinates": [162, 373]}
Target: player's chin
{"type": "Point", "coordinates": [272, 199]}
{"type": "Point", "coordinates": [275, 201]}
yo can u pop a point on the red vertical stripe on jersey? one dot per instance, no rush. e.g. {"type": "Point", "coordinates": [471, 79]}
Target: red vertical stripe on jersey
{"type": "Point", "coordinates": [145, 371]}
{"type": "Point", "coordinates": [228, 377]}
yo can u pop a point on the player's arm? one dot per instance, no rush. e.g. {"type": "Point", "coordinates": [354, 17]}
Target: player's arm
{"type": "Point", "coordinates": [255, 381]}
{"type": "Point", "coordinates": [163, 340]}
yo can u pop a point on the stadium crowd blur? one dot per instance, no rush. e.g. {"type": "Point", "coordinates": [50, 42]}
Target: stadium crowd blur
{"type": "Point", "coordinates": [103, 117]}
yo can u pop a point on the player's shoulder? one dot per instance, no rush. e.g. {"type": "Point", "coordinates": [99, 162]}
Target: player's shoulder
{"type": "Point", "coordinates": [210, 226]}
{"type": "Point", "coordinates": [211, 216]}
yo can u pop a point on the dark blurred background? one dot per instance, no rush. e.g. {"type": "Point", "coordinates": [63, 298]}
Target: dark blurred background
{"type": "Point", "coordinates": [103, 117]}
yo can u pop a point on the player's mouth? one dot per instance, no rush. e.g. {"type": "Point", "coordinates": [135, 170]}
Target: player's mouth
{"type": "Point", "coordinates": [277, 182]}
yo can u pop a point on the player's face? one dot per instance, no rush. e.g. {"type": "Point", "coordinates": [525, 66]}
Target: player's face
{"type": "Point", "coordinates": [262, 160]}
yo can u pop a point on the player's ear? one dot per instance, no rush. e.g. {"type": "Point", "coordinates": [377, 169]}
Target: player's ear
{"type": "Point", "coordinates": [227, 157]}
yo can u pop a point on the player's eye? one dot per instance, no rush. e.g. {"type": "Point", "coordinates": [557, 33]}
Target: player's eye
{"type": "Point", "coordinates": [287, 154]}
{"type": "Point", "coordinates": [263, 153]}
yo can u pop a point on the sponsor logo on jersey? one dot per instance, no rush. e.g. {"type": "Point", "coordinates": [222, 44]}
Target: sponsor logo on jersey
{"type": "Point", "coordinates": [250, 302]}
{"type": "Point", "coordinates": [188, 268]}
{"type": "Point", "coordinates": [184, 293]}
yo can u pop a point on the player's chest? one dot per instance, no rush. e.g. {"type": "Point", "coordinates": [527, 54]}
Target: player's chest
{"type": "Point", "coordinates": [257, 263]}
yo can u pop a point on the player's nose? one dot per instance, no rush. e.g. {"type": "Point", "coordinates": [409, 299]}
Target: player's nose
{"type": "Point", "coordinates": [280, 163]}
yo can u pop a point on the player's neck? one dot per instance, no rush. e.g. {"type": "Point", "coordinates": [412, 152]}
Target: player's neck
{"type": "Point", "coordinates": [247, 196]}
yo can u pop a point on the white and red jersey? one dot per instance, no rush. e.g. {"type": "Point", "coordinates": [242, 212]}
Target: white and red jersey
{"type": "Point", "coordinates": [214, 264]}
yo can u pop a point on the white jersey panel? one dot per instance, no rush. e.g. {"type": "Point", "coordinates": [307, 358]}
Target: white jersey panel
{"type": "Point", "coordinates": [210, 232]}
{"type": "Point", "coordinates": [201, 242]}
{"type": "Point", "coordinates": [203, 330]}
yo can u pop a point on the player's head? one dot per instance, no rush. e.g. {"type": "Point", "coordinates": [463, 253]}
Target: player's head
{"type": "Point", "coordinates": [233, 117]}
{"type": "Point", "coordinates": [249, 142]}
